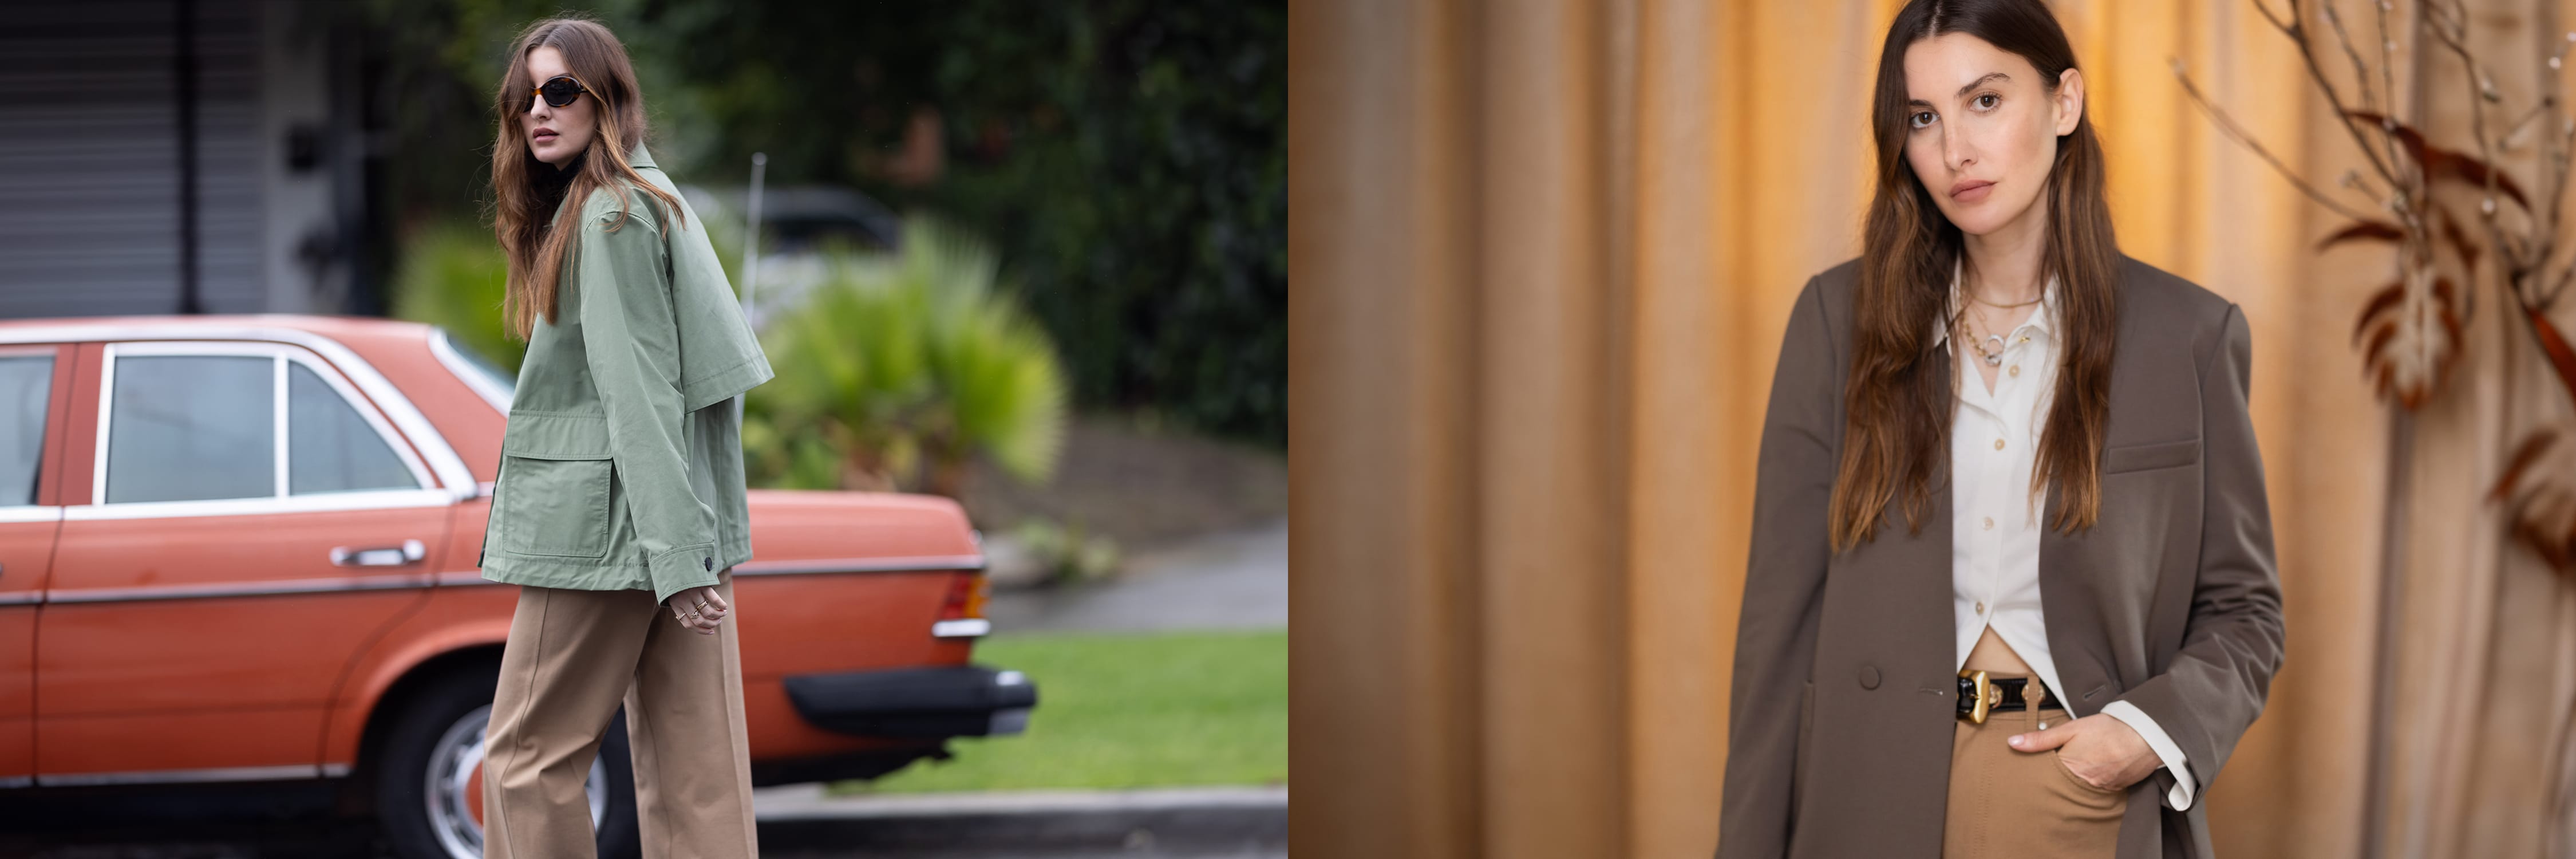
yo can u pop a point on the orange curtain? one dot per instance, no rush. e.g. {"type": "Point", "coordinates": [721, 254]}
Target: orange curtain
{"type": "Point", "coordinates": [1543, 253]}
{"type": "Point", "coordinates": [2481, 637]}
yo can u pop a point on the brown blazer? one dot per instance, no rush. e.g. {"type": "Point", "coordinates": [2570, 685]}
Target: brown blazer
{"type": "Point", "coordinates": [1842, 706]}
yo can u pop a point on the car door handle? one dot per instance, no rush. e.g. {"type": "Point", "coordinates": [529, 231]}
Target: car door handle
{"type": "Point", "coordinates": [388, 556]}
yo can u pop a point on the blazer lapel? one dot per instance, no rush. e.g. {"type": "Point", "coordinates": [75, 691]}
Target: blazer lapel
{"type": "Point", "coordinates": [1944, 361]}
{"type": "Point", "coordinates": [2067, 595]}
{"type": "Point", "coordinates": [2058, 558]}
{"type": "Point", "coordinates": [1929, 552]}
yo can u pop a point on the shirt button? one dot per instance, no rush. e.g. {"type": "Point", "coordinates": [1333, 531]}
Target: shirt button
{"type": "Point", "coordinates": [1999, 444]}
{"type": "Point", "coordinates": [1981, 606]}
{"type": "Point", "coordinates": [2016, 370]}
{"type": "Point", "coordinates": [1990, 523]}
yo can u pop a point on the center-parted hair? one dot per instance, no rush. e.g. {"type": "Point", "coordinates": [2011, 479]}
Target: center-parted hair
{"type": "Point", "coordinates": [526, 191]}
{"type": "Point", "coordinates": [1897, 407]}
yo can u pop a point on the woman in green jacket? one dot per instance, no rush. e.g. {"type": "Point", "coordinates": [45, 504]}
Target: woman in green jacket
{"type": "Point", "coordinates": [619, 504]}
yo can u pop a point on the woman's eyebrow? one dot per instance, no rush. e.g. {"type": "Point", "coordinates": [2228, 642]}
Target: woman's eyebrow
{"type": "Point", "coordinates": [1963, 91]}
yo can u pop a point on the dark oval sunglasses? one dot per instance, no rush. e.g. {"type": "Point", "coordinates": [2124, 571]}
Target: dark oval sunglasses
{"type": "Point", "coordinates": [560, 90]}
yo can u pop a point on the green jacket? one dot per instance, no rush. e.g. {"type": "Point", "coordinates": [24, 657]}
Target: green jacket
{"type": "Point", "coordinates": [622, 463]}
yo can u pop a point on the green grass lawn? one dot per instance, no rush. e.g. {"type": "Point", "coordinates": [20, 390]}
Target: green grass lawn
{"type": "Point", "coordinates": [1126, 710]}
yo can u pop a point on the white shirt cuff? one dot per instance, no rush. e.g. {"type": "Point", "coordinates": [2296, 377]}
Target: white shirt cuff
{"type": "Point", "coordinates": [2181, 795]}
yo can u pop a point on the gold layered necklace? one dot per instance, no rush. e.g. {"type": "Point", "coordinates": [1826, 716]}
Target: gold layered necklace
{"type": "Point", "coordinates": [1991, 347]}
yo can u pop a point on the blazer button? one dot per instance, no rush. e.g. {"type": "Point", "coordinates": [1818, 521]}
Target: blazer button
{"type": "Point", "coordinates": [1869, 677]}
{"type": "Point", "coordinates": [709, 563]}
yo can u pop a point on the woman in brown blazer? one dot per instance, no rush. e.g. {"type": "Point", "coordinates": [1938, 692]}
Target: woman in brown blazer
{"type": "Point", "coordinates": [2061, 662]}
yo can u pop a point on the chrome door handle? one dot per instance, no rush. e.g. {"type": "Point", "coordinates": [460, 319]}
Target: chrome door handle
{"type": "Point", "coordinates": [389, 556]}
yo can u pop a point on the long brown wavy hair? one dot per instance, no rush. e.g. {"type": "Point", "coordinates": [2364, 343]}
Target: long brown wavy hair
{"type": "Point", "coordinates": [1898, 407]}
{"type": "Point", "coordinates": [526, 191]}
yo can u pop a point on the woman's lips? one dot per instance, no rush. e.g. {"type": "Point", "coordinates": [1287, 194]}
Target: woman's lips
{"type": "Point", "coordinates": [1970, 192]}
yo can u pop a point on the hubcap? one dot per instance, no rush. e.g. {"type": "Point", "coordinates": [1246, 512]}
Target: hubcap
{"type": "Point", "coordinates": [454, 791]}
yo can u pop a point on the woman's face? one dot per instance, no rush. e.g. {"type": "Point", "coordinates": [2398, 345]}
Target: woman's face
{"type": "Point", "coordinates": [1981, 130]}
{"type": "Point", "coordinates": [556, 134]}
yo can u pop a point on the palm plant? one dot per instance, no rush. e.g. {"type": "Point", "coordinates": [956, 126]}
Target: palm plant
{"type": "Point", "coordinates": [908, 364]}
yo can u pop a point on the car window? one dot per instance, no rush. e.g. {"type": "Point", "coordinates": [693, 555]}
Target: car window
{"type": "Point", "coordinates": [192, 427]}
{"type": "Point", "coordinates": [503, 379]}
{"type": "Point", "coordinates": [330, 447]}
{"type": "Point", "coordinates": [26, 382]}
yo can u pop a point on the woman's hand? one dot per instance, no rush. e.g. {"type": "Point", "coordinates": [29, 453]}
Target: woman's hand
{"type": "Point", "coordinates": [2103, 751]}
{"type": "Point", "coordinates": [700, 609]}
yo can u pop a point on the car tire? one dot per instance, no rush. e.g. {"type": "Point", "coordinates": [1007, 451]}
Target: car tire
{"type": "Point", "coordinates": [438, 737]}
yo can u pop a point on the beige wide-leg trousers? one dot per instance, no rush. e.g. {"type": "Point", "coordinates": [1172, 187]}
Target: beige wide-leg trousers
{"type": "Point", "coordinates": [573, 656]}
{"type": "Point", "coordinates": [2012, 804]}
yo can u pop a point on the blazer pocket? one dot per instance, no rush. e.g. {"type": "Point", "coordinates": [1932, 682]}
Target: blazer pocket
{"type": "Point", "coordinates": [2140, 457]}
{"type": "Point", "coordinates": [553, 497]}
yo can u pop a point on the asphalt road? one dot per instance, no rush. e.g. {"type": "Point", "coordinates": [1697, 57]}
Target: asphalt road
{"type": "Point", "coordinates": [796, 822]}
{"type": "Point", "coordinates": [1227, 580]}
{"type": "Point", "coordinates": [357, 840]}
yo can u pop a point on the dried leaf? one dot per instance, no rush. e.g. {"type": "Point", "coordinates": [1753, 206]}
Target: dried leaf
{"type": "Point", "coordinates": [2409, 335]}
{"type": "Point", "coordinates": [2442, 163]}
{"type": "Point", "coordinates": [2539, 479]}
{"type": "Point", "coordinates": [2538, 488]}
{"type": "Point", "coordinates": [2363, 231]}
{"type": "Point", "coordinates": [2553, 344]}
{"type": "Point", "coordinates": [2449, 230]}
{"type": "Point", "coordinates": [2446, 227]}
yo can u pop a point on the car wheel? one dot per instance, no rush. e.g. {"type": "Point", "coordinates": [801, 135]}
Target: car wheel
{"type": "Point", "coordinates": [429, 786]}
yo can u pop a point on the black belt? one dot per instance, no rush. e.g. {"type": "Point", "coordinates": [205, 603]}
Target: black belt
{"type": "Point", "coordinates": [1980, 695]}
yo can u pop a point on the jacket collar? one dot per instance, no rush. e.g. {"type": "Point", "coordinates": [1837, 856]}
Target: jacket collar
{"type": "Point", "coordinates": [636, 158]}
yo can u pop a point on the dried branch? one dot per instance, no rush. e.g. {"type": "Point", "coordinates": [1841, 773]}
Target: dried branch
{"type": "Point", "coordinates": [2481, 86]}
{"type": "Point", "coordinates": [2555, 150]}
{"type": "Point", "coordinates": [2360, 71]}
{"type": "Point", "coordinates": [2387, 58]}
{"type": "Point", "coordinates": [2513, 132]}
{"type": "Point", "coordinates": [2277, 23]}
{"type": "Point", "coordinates": [2228, 126]}
{"type": "Point", "coordinates": [2298, 33]}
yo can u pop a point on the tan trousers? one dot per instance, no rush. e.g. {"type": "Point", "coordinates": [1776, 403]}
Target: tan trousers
{"type": "Point", "coordinates": [2022, 805]}
{"type": "Point", "coordinates": [572, 658]}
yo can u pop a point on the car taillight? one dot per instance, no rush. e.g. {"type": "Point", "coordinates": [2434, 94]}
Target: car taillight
{"type": "Point", "coordinates": [966, 591]}
{"type": "Point", "coordinates": [961, 612]}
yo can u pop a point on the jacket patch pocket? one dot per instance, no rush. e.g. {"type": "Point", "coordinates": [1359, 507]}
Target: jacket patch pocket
{"type": "Point", "coordinates": [2140, 457]}
{"type": "Point", "coordinates": [554, 497]}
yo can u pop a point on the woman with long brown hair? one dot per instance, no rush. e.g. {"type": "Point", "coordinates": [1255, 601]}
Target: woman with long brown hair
{"type": "Point", "coordinates": [2011, 587]}
{"type": "Point", "coordinates": [619, 506]}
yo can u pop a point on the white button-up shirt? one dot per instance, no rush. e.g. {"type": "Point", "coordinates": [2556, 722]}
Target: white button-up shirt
{"type": "Point", "coordinates": [1995, 529]}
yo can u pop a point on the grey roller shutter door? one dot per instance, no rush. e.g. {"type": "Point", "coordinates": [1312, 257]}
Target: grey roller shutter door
{"type": "Point", "coordinates": [89, 157]}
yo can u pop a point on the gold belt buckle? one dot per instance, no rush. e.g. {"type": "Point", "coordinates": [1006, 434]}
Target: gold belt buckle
{"type": "Point", "coordinates": [1987, 695]}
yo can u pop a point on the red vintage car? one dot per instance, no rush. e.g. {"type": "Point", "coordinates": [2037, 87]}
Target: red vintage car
{"type": "Point", "coordinates": [242, 548]}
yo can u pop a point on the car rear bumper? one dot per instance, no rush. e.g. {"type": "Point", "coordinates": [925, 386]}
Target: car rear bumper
{"type": "Point", "coordinates": [943, 701]}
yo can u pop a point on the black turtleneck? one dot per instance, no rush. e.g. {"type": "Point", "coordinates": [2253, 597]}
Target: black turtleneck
{"type": "Point", "coordinates": [551, 181]}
